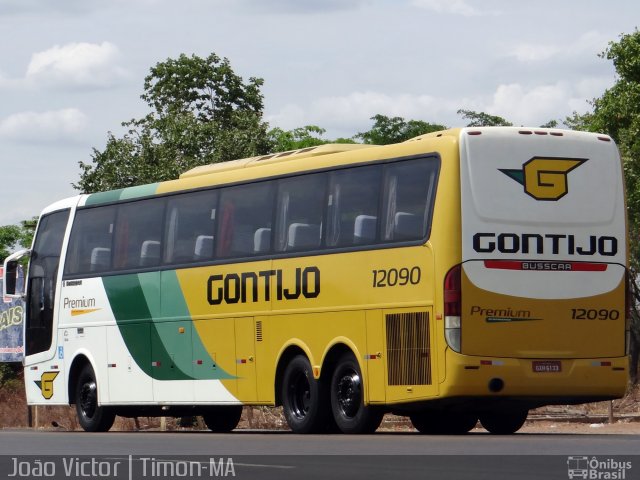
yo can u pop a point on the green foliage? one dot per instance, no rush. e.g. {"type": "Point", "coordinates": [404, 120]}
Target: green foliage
{"type": "Point", "coordinates": [201, 112]}
{"type": "Point", "coordinates": [15, 236]}
{"type": "Point", "coordinates": [302, 137]}
{"type": "Point", "coordinates": [550, 124]}
{"type": "Point", "coordinates": [482, 119]}
{"type": "Point", "coordinates": [387, 130]}
{"type": "Point", "coordinates": [10, 374]}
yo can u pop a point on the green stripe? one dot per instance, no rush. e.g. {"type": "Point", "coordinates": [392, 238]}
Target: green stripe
{"type": "Point", "coordinates": [103, 197]}
{"type": "Point", "coordinates": [150, 321]}
{"type": "Point", "coordinates": [122, 194]}
{"type": "Point", "coordinates": [174, 306]}
{"type": "Point", "coordinates": [139, 191]}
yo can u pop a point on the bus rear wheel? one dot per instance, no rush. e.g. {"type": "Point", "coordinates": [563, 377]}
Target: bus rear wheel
{"type": "Point", "coordinates": [503, 423]}
{"type": "Point", "coordinates": [304, 399]}
{"type": "Point", "coordinates": [91, 416]}
{"type": "Point", "coordinates": [449, 423]}
{"type": "Point", "coordinates": [347, 399]}
{"type": "Point", "coordinates": [223, 418]}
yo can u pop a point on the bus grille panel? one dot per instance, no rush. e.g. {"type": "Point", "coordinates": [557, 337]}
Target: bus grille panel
{"type": "Point", "coordinates": [408, 349]}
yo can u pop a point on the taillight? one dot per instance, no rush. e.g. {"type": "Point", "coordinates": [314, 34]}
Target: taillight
{"type": "Point", "coordinates": [453, 307]}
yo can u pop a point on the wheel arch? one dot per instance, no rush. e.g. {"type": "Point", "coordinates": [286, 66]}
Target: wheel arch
{"type": "Point", "coordinates": [334, 351]}
{"type": "Point", "coordinates": [288, 352]}
{"type": "Point", "coordinates": [77, 365]}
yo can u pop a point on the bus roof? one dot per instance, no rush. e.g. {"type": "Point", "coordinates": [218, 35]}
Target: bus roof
{"type": "Point", "coordinates": [315, 151]}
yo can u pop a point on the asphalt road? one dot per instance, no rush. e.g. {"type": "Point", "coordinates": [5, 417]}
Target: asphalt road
{"type": "Point", "coordinates": [283, 455]}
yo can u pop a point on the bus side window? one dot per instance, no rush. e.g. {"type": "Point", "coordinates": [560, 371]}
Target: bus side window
{"type": "Point", "coordinates": [353, 193]}
{"type": "Point", "coordinates": [245, 209]}
{"type": "Point", "coordinates": [190, 227]}
{"type": "Point", "coordinates": [138, 234]}
{"type": "Point", "coordinates": [89, 248]}
{"type": "Point", "coordinates": [409, 189]}
{"type": "Point", "coordinates": [300, 212]}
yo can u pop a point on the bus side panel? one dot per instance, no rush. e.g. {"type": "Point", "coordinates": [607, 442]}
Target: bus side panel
{"type": "Point", "coordinates": [376, 371]}
{"type": "Point", "coordinates": [83, 315]}
{"type": "Point", "coordinates": [128, 384]}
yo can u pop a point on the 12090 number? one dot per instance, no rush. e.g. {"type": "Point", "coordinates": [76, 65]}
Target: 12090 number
{"type": "Point", "coordinates": [396, 276]}
{"type": "Point", "coordinates": [594, 314]}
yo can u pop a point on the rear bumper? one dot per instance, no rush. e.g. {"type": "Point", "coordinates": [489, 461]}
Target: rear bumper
{"type": "Point", "coordinates": [580, 379]}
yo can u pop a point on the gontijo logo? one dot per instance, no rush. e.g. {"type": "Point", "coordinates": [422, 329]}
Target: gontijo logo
{"type": "Point", "coordinates": [46, 384]}
{"type": "Point", "coordinates": [545, 178]}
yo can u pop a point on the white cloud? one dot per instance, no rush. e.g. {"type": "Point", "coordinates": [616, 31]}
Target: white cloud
{"type": "Point", "coordinates": [522, 105]}
{"type": "Point", "coordinates": [532, 106]}
{"type": "Point", "coordinates": [297, 6]}
{"type": "Point", "coordinates": [76, 65]}
{"type": "Point", "coordinates": [455, 7]}
{"type": "Point", "coordinates": [53, 125]}
{"type": "Point", "coordinates": [341, 114]}
{"type": "Point", "coordinates": [588, 44]}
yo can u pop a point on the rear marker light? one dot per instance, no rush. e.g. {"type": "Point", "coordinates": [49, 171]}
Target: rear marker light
{"type": "Point", "coordinates": [525, 132]}
{"type": "Point", "coordinates": [492, 362]}
{"type": "Point", "coordinates": [475, 132]}
{"type": "Point", "coordinates": [600, 364]}
{"type": "Point", "coordinates": [604, 139]}
{"type": "Point", "coordinates": [557, 134]}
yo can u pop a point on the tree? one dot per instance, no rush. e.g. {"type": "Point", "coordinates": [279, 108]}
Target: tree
{"type": "Point", "coordinates": [302, 137]}
{"type": "Point", "coordinates": [482, 119]}
{"type": "Point", "coordinates": [387, 130]}
{"type": "Point", "coordinates": [617, 113]}
{"type": "Point", "coordinates": [14, 236]}
{"type": "Point", "coordinates": [201, 112]}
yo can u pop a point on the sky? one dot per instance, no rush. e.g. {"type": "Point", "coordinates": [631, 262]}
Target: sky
{"type": "Point", "coordinates": [71, 71]}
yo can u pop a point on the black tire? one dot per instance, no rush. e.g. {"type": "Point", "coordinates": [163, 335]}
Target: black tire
{"type": "Point", "coordinates": [347, 399]}
{"type": "Point", "coordinates": [91, 416]}
{"type": "Point", "coordinates": [304, 399]}
{"type": "Point", "coordinates": [444, 423]}
{"type": "Point", "coordinates": [223, 418]}
{"type": "Point", "coordinates": [503, 423]}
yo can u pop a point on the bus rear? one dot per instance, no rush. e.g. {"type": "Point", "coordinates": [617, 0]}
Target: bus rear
{"type": "Point", "coordinates": [536, 309]}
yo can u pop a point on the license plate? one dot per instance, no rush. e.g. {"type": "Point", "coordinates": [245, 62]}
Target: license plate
{"type": "Point", "coordinates": [547, 366]}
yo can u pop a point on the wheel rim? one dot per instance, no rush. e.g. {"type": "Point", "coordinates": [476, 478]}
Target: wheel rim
{"type": "Point", "coordinates": [300, 395]}
{"type": "Point", "coordinates": [89, 399]}
{"type": "Point", "coordinates": [349, 393]}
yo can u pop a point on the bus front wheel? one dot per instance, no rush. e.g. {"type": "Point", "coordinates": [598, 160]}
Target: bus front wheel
{"type": "Point", "coordinates": [222, 419]}
{"type": "Point", "coordinates": [91, 416]}
{"type": "Point", "coordinates": [503, 423]}
{"type": "Point", "coordinates": [304, 399]}
{"type": "Point", "coordinates": [347, 399]}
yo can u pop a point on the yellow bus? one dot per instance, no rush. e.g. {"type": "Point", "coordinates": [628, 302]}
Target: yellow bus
{"type": "Point", "coordinates": [470, 274]}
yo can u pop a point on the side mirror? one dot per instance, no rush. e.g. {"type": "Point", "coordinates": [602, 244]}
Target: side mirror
{"type": "Point", "coordinates": [11, 272]}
